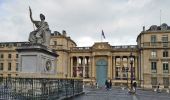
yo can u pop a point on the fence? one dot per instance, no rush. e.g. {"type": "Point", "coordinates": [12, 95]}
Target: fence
{"type": "Point", "coordinates": [39, 88]}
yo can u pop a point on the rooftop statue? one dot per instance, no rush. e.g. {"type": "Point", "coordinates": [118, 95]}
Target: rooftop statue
{"type": "Point", "coordinates": [41, 35]}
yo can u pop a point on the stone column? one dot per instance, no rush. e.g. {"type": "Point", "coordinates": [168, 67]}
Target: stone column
{"type": "Point", "coordinates": [113, 68]}
{"type": "Point", "coordinates": [128, 66]}
{"type": "Point", "coordinates": [93, 67]}
{"type": "Point", "coordinates": [136, 68]}
{"type": "Point", "coordinates": [121, 65]}
{"type": "Point", "coordinates": [77, 65]}
{"type": "Point", "coordinates": [90, 67]}
{"type": "Point", "coordinates": [83, 65]}
{"type": "Point", "coordinates": [109, 67]}
{"type": "Point", "coordinates": [87, 67]}
{"type": "Point", "coordinates": [71, 65]}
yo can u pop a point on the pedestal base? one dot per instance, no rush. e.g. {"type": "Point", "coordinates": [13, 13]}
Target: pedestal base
{"type": "Point", "coordinates": [36, 61]}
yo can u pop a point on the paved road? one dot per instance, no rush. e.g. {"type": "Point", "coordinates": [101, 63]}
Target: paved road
{"type": "Point", "coordinates": [121, 94]}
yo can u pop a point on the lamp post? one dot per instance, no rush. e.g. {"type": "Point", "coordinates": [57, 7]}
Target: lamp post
{"type": "Point", "coordinates": [131, 70]}
{"type": "Point", "coordinates": [127, 70]}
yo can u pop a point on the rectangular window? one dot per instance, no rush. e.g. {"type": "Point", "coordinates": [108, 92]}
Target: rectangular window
{"type": "Point", "coordinates": [55, 42]}
{"type": "Point", "coordinates": [154, 82]}
{"type": "Point", "coordinates": [166, 82]}
{"type": "Point", "coordinates": [9, 56]}
{"type": "Point", "coordinates": [165, 40]}
{"type": "Point", "coordinates": [1, 66]}
{"type": "Point", "coordinates": [2, 55]}
{"type": "Point", "coordinates": [153, 67]}
{"type": "Point", "coordinates": [16, 55]}
{"type": "Point", "coordinates": [16, 66]}
{"type": "Point", "coordinates": [9, 66]}
{"type": "Point", "coordinates": [165, 53]}
{"type": "Point", "coordinates": [153, 53]}
{"type": "Point", "coordinates": [165, 67]}
{"type": "Point", "coordinates": [153, 38]}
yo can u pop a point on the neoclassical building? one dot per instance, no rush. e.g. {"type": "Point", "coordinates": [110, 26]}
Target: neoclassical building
{"type": "Point", "coordinates": [103, 61]}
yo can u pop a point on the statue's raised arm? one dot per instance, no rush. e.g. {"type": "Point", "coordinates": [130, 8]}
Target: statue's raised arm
{"type": "Point", "coordinates": [31, 14]}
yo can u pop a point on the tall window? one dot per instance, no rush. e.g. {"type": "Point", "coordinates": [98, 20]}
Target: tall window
{"type": "Point", "coordinates": [165, 40]}
{"type": "Point", "coordinates": [9, 55]}
{"type": "Point", "coordinates": [153, 53]}
{"type": "Point", "coordinates": [16, 66]}
{"type": "Point", "coordinates": [1, 66]}
{"type": "Point", "coordinates": [153, 38]}
{"type": "Point", "coordinates": [16, 55]}
{"type": "Point", "coordinates": [9, 66]}
{"type": "Point", "coordinates": [1, 55]}
{"type": "Point", "coordinates": [165, 53]}
{"type": "Point", "coordinates": [55, 42]}
{"type": "Point", "coordinates": [165, 67]}
{"type": "Point", "coordinates": [153, 67]}
{"type": "Point", "coordinates": [154, 81]}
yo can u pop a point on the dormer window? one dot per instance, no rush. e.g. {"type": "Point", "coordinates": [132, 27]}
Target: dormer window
{"type": "Point", "coordinates": [164, 26]}
{"type": "Point", "coordinates": [153, 28]}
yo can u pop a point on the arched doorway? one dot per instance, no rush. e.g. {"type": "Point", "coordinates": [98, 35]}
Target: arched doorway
{"type": "Point", "coordinates": [101, 72]}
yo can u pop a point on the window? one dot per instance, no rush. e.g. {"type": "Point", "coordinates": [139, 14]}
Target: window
{"type": "Point", "coordinates": [16, 55]}
{"type": "Point", "coordinates": [55, 42]}
{"type": "Point", "coordinates": [9, 75]}
{"type": "Point", "coordinates": [166, 82]}
{"type": "Point", "coordinates": [153, 53]}
{"type": "Point", "coordinates": [165, 67]}
{"type": "Point", "coordinates": [165, 40]}
{"type": "Point", "coordinates": [9, 55]}
{"type": "Point", "coordinates": [153, 67]}
{"type": "Point", "coordinates": [9, 66]}
{"type": "Point", "coordinates": [16, 66]}
{"type": "Point", "coordinates": [2, 55]}
{"type": "Point", "coordinates": [165, 53]}
{"type": "Point", "coordinates": [153, 38]}
{"type": "Point", "coordinates": [1, 66]}
{"type": "Point", "coordinates": [154, 82]}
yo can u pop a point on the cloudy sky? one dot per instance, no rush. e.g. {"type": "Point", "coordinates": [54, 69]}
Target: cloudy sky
{"type": "Point", "coordinates": [83, 20]}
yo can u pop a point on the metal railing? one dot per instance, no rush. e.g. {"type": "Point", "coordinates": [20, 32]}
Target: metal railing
{"type": "Point", "coordinates": [39, 88]}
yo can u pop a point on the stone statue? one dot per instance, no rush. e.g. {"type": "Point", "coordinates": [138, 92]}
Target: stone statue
{"type": "Point", "coordinates": [41, 35]}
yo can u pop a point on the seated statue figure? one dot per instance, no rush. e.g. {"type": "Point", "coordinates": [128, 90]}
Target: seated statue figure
{"type": "Point", "coordinates": [41, 35]}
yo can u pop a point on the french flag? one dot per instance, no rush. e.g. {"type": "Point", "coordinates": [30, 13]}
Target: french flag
{"type": "Point", "coordinates": [103, 34]}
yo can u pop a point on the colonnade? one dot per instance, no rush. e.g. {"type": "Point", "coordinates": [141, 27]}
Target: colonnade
{"type": "Point", "coordinates": [118, 67]}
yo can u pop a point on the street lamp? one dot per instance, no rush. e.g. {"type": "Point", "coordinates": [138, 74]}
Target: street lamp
{"type": "Point", "coordinates": [131, 70]}
{"type": "Point", "coordinates": [127, 70]}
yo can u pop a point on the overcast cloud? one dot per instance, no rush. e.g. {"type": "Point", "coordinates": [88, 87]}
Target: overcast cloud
{"type": "Point", "coordinates": [83, 20]}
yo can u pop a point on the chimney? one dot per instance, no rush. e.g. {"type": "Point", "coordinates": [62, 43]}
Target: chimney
{"type": "Point", "coordinates": [143, 28]}
{"type": "Point", "coordinates": [64, 33]}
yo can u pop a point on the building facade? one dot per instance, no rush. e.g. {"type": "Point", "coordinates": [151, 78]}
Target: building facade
{"type": "Point", "coordinates": [102, 61]}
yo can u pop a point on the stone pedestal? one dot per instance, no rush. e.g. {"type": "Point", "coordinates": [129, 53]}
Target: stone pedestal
{"type": "Point", "coordinates": [36, 60]}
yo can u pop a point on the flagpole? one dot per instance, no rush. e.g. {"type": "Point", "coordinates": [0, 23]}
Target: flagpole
{"type": "Point", "coordinates": [101, 38]}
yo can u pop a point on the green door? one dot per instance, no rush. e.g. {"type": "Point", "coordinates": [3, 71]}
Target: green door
{"type": "Point", "coordinates": [101, 72]}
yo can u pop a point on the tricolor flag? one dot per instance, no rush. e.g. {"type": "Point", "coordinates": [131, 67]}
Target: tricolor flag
{"type": "Point", "coordinates": [103, 34]}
